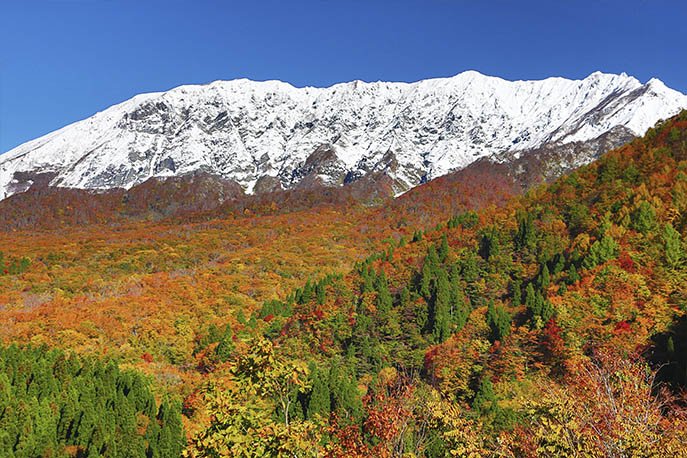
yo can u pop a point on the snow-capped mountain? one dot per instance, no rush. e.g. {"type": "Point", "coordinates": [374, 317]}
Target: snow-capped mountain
{"type": "Point", "coordinates": [266, 135]}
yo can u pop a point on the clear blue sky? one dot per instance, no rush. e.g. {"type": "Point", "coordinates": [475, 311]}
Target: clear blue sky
{"type": "Point", "coordinates": [61, 61]}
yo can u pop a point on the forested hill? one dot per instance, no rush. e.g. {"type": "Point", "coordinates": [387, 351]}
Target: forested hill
{"type": "Point", "coordinates": [539, 325]}
{"type": "Point", "coordinates": [522, 330]}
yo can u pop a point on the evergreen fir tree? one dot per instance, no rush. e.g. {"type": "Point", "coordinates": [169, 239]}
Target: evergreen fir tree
{"type": "Point", "coordinates": [321, 292]}
{"type": "Point", "coordinates": [306, 295]}
{"type": "Point", "coordinates": [170, 438]}
{"type": "Point", "coordinates": [544, 277]}
{"type": "Point", "coordinates": [644, 218]}
{"type": "Point", "coordinates": [469, 267]}
{"type": "Point", "coordinates": [368, 277]}
{"type": "Point", "coordinates": [441, 319]}
{"type": "Point", "coordinates": [443, 249]}
{"type": "Point", "coordinates": [384, 299]}
{"type": "Point", "coordinates": [459, 311]}
{"type": "Point", "coordinates": [525, 237]}
{"type": "Point", "coordinates": [319, 402]}
{"type": "Point", "coordinates": [428, 274]}
{"type": "Point", "coordinates": [346, 400]}
{"type": "Point", "coordinates": [51, 401]}
{"type": "Point", "coordinates": [516, 290]}
{"type": "Point", "coordinates": [499, 321]}
{"type": "Point", "coordinates": [530, 298]}
{"type": "Point", "coordinates": [601, 251]}
{"type": "Point", "coordinates": [674, 253]}
{"type": "Point", "coordinates": [485, 399]}
{"type": "Point", "coordinates": [489, 246]}
{"type": "Point", "coordinates": [559, 265]}
{"type": "Point", "coordinates": [546, 312]}
{"type": "Point", "coordinates": [404, 297]}
{"type": "Point", "coordinates": [573, 276]}
{"type": "Point", "coordinates": [225, 348]}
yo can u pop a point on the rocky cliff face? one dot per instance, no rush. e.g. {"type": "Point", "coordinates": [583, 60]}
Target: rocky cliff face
{"type": "Point", "coordinates": [267, 136]}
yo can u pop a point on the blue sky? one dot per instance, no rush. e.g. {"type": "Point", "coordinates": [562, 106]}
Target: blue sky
{"type": "Point", "coordinates": [63, 60]}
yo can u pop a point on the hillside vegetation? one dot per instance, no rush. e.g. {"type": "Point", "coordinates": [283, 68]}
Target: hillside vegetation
{"type": "Point", "coordinates": [521, 330]}
{"type": "Point", "coordinates": [537, 326]}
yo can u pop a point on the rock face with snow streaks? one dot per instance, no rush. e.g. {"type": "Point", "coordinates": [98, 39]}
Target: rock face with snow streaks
{"type": "Point", "coordinates": [277, 136]}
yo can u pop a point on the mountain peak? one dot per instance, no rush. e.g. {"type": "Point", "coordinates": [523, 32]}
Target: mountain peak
{"type": "Point", "coordinates": [471, 74]}
{"type": "Point", "coordinates": [658, 85]}
{"type": "Point", "coordinates": [244, 130]}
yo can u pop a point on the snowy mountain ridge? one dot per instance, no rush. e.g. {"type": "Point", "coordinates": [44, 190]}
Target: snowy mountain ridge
{"type": "Point", "coordinates": [252, 132]}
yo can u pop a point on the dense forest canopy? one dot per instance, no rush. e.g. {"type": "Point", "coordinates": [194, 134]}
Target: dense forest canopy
{"type": "Point", "coordinates": [549, 325]}
{"type": "Point", "coordinates": [56, 405]}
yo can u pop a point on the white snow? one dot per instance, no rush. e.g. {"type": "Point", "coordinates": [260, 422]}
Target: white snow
{"type": "Point", "coordinates": [243, 129]}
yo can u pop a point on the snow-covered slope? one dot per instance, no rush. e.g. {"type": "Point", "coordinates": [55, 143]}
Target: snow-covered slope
{"type": "Point", "coordinates": [244, 130]}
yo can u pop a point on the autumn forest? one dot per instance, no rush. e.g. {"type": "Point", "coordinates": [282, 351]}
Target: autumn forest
{"type": "Point", "coordinates": [464, 318]}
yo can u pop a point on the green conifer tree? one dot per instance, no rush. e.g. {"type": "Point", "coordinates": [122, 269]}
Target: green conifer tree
{"type": "Point", "coordinates": [440, 314]}
{"type": "Point", "coordinates": [559, 265]}
{"type": "Point", "coordinates": [499, 321]}
{"type": "Point", "coordinates": [485, 399]}
{"type": "Point", "coordinates": [459, 310]}
{"type": "Point", "coordinates": [225, 348]}
{"type": "Point", "coordinates": [428, 274]}
{"type": "Point", "coordinates": [321, 292]}
{"type": "Point", "coordinates": [674, 254]}
{"type": "Point", "coordinates": [525, 237]}
{"type": "Point", "coordinates": [384, 298]}
{"type": "Point", "coordinates": [544, 277]}
{"type": "Point", "coordinates": [319, 402]}
{"type": "Point", "coordinates": [530, 297]}
{"type": "Point", "coordinates": [573, 276]}
{"type": "Point", "coordinates": [516, 293]}
{"type": "Point", "coordinates": [170, 438]}
{"type": "Point", "coordinates": [443, 249]}
{"type": "Point", "coordinates": [601, 251]}
{"type": "Point", "coordinates": [644, 218]}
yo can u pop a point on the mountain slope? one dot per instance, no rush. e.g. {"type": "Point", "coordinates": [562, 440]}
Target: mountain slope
{"type": "Point", "coordinates": [532, 321]}
{"type": "Point", "coordinates": [514, 330]}
{"type": "Point", "coordinates": [248, 131]}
